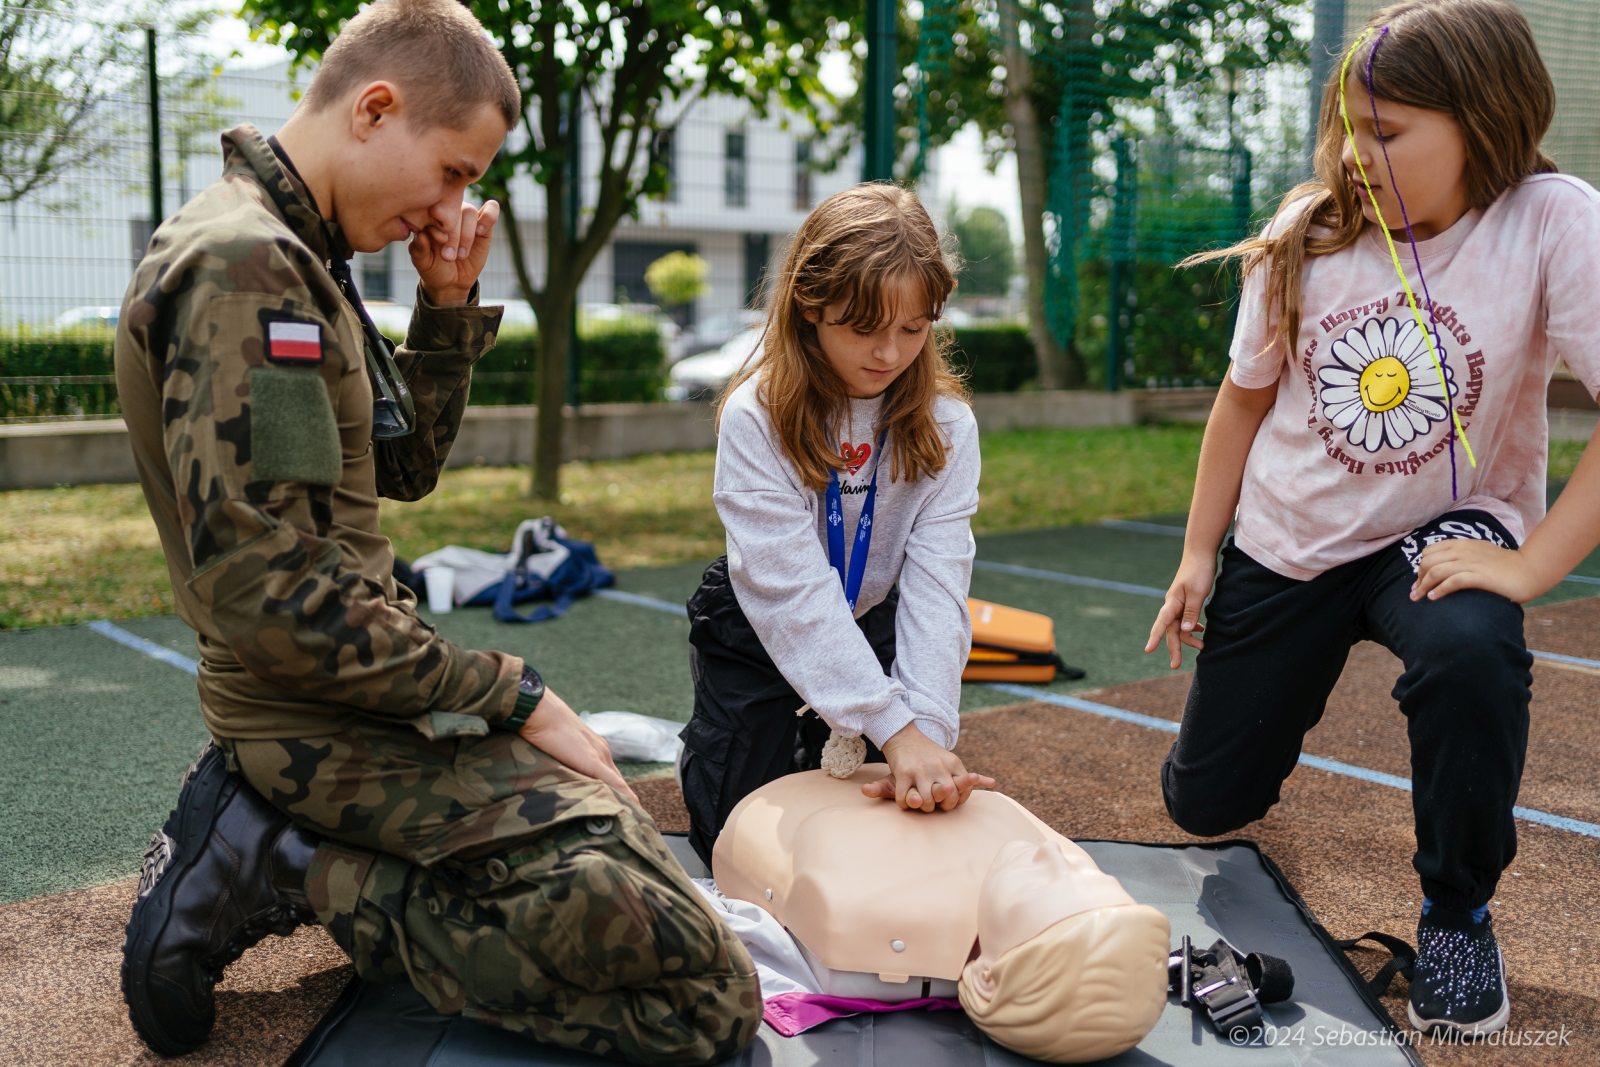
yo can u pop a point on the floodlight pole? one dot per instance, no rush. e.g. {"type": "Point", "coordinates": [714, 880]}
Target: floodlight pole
{"type": "Point", "coordinates": [156, 212]}
{"type": "Point", "coordinates": [574, 205]}
{"type": "Point", "coordinates": [878, 164]}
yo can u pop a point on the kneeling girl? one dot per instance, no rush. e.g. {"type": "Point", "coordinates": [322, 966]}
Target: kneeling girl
{"type": "Point", "coordinates": [1399, 323]}
{"type": "Point", "coordinates": [847, 464]}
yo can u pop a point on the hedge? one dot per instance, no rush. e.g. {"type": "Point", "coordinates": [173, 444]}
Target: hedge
{"type": "Point", "coordinates": [622, 362]}
{"type": "Point", "coordinates": [43, 376]}
{"type": "Point", "coordinates": [995, 357]}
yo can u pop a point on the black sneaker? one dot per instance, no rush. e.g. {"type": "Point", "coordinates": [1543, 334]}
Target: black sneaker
{"type": "Point", "coordinates": [1459, 986]}
{"type": "Point", "coordinates": [224, 872]}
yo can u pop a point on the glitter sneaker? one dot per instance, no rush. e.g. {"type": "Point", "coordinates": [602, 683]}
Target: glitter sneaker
{"type": "Point", "coordinates": [1459, 985]}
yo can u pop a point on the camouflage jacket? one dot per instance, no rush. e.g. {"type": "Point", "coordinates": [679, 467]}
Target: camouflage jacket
{"type": "Point", "coordinates": [242, 376]}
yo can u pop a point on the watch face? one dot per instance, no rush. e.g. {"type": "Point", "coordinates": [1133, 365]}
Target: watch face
{"type": "Point", "coordinates": [531, 682]}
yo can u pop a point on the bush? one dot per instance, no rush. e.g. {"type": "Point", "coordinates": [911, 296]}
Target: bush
{"type": "Point", "coordinates": [69, 374]}
{"type": "Point", "coordinates": [997, 358]}
{"type": "Point", "coordinates": [1180, 321]}
{"type": "Point", "coordinates": [623, 362]}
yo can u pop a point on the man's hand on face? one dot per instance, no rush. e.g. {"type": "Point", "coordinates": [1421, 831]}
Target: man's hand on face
{"type": "Point", "coordinates": [450, 254]}
{"type": "Point", "coordinates": [555, 729]}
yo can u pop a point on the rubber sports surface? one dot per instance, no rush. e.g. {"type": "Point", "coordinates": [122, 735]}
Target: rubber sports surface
{"type": "Point", "coordinates": [94, 736]}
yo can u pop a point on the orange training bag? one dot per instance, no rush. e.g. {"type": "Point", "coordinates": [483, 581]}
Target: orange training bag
{"type": "Point", "coordinates": [1011, 645]}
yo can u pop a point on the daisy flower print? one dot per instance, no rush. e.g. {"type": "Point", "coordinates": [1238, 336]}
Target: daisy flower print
{"type": "Point", "coordinates": [1384, 390]}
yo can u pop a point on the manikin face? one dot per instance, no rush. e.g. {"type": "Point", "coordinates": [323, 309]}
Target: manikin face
{"type": "Point", "coordinates": [868, 362]}
{"type": "Point", "coordinates": [396, 180]}
{"type": "Point", "coordinates": [1429, 157]}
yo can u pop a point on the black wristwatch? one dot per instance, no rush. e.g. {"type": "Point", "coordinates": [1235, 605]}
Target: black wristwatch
{"type": "Point", "coordinates": [529, 692]}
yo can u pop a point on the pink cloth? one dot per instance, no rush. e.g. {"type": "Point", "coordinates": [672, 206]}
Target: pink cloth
{"type": "Point", "coordinates": [1352, 459]}
{"type": "Point", "coordinates": [795, 1013]}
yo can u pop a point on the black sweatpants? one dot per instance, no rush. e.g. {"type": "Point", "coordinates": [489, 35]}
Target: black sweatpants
{"type": "Point", "coordinates": [745, 732]}
{"type": "Point", "coordinates": [1276, 646]}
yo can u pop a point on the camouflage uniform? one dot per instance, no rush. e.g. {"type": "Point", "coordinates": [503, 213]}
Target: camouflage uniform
{"type": "Point", "coordinates": [501, 883]}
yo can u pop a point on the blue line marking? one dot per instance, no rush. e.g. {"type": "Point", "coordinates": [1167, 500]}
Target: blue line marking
{"type": "Point", "coordinates": [1578, 660]}
{"type": "Point", "coordinates": [149, 648]}
{"type": "Point", "coordinates": [1543, 818]}
{"type": "Point", "coordinates": [643, 602]}
{"type": "Point", "coordinates": [1069, 579]}
{"type": "Point", "coordinates": [1582, 578]}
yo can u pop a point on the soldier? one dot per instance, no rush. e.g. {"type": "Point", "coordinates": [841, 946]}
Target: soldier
{"type": "Point", "coordinates": [449, 820]}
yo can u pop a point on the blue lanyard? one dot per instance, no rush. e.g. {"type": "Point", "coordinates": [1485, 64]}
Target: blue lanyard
{"type": "Point", "coordinates": [858, 556]}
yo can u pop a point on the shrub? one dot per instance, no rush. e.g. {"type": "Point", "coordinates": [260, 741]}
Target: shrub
{"type": "Point", "coordinates": [66, 374]}
{"type": "Point", "coordinates": [623, 362]}
{"type": "Point", "coordinates": [995, 357]}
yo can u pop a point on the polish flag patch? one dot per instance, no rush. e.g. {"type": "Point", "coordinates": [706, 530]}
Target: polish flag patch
{"type": "Point", "coordinates": [294, 342]}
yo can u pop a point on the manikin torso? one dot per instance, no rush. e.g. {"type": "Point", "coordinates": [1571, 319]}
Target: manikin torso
{"type": "Point", "coordinates": [888, 900]}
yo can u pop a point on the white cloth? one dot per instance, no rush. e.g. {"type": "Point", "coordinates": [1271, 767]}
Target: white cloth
{"type": "Point", "coordinates": [534, 545]}
{"type": "Point", "coordinates": [779, 964]}
{"type": "Point", "coordinates": [1351, 459]}
{"type": "Point", "coordinates": [637, 737]}
{"type": "Point", "coordinates": [922, 539]}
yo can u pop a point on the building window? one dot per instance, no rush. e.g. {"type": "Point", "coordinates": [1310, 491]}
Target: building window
{"type": "Point", "coordinates": [802, 174]}
{"type": "Point", "coordinates": [139, 231]}
{"type": "Point", "coordinates": [375, 275]}
{"type": "Point", "coordinates": [757, 254]}
{"type": "Point", "coordinates": [735, 169]}
{"type": "Point", "coordinates": [664, 153]}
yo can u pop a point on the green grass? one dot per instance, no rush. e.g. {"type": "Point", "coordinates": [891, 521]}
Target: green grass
{"type": "Point", "coordinates": [75, 554]}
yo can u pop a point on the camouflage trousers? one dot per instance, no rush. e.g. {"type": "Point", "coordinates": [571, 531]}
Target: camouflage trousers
{"type": "Point", "coordinates": [508, 888]}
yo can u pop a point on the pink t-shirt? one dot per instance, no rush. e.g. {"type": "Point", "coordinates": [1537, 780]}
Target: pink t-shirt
{"type": "Point", "coordinates": [1355, 453]}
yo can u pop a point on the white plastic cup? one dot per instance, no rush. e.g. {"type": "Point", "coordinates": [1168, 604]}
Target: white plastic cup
{"type": "Point", "coordinates": [441, 589]}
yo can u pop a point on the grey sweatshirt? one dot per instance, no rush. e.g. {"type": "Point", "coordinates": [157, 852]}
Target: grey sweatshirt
{"type": "Point", "coordinates": [921, 538]}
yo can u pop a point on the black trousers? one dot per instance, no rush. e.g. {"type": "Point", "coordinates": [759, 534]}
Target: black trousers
{"type": "Point", "coordinates": [745, 732]}
{"type": "Point", "coordinates": [1276, 646]}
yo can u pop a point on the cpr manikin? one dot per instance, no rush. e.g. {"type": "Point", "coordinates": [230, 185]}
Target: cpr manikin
{"type": "Point", "coordinates": [1050, 956]}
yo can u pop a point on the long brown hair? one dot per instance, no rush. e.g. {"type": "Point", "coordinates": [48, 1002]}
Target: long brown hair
{"type": "Point", "coordinates": [860, 248]}
{"type": "Point", "coordinates": [1474, 60]}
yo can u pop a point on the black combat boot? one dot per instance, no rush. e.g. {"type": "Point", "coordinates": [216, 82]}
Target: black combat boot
{"type": "Point", "coordinates": [227, 870]}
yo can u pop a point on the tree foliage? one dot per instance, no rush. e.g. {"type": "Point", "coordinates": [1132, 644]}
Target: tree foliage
{"type": "Point", "coordinates": [678, 278]}
{"type": "Point", "coordinates": [987, 256]}
{"type": "Point", "coordinates": [57, 73]}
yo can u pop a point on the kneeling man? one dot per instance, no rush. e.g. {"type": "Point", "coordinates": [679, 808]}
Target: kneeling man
{"type": "Point", "coordinates": [449, 820]}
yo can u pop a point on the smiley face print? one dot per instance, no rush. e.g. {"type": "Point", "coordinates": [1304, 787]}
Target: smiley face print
{"type": "Point", "coordinates": [1384, 390]}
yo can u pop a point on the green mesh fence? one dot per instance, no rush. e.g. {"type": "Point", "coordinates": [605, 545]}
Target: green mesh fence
{"type": "Point", "coordinates": [1149, 162]}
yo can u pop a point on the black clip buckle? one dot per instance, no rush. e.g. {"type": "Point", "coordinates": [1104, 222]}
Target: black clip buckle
{"type": "Point", "coordinates": [1228, 984]}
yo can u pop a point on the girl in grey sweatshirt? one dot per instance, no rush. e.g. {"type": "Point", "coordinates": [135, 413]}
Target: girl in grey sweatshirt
{"type": "Point", "coordinates": [847, 476]}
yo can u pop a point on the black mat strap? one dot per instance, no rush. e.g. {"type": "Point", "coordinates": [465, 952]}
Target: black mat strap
{"type": "Point", "coordinates": [1405, 959]}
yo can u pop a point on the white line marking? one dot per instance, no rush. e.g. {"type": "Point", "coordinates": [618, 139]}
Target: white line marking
{"type": "Point", "coordinates": [149, 648]}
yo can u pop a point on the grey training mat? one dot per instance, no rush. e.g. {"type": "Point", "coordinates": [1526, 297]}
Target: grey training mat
{"type": "Point", "coordinates": [1206, 891]}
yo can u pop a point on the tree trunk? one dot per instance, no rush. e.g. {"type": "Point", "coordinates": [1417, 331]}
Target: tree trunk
{"type": "Point", "coordinates": [1055, 370]}
{"type": "Point", "coordinates": [555, 337]}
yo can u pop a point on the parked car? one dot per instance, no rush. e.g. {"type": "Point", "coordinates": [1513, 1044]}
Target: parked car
{"type": "Point", "coordinates": [715, 331]}
{"type": "Point", "coordinates": [703, 376]}
{"type": "Point", "coordinates": [80, 318]}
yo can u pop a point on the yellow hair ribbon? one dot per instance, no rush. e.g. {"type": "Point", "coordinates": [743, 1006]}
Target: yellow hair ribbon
{"type": "Point", "coordinates": [1427, 335]}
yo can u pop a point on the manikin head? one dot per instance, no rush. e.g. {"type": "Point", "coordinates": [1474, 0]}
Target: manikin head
{"type": "Point", "coordinates": [1054, 980]}
{"type": "Point", "coordinates": [408, 107]}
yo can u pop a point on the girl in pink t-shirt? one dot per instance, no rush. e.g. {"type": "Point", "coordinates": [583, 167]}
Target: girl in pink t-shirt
{"type": "Point", "coordinates": [1399, 323]}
